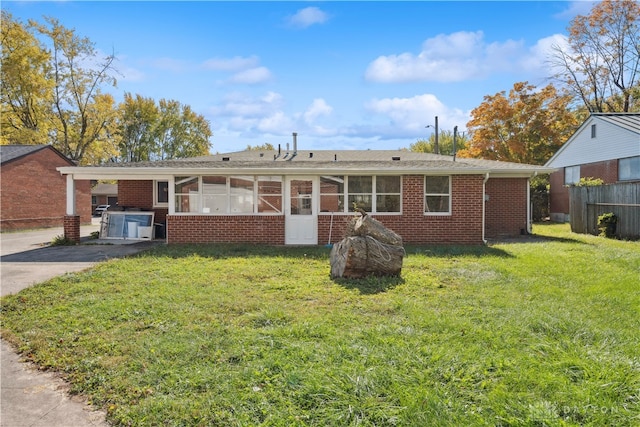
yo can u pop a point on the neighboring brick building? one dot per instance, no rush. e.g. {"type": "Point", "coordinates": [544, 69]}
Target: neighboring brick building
{"type": "Point", "coordinates": [307, 197]}
{"type": "Point", "coordinates": [104, 194]}
{"type": "Point", "coordinates": [606, 146]}
{"type": "Point", "coordinates": [33, 192]}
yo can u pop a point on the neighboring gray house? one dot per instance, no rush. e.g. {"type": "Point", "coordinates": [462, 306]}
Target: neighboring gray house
{"type": "Point", "coordinates": [605, 146]}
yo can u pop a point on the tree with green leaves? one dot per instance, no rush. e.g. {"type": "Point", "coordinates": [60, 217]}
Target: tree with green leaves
{"type": "Point", "coordinates": [445, 143]}
{"type": "Point", "coordinates": [136, 122]}
{"type": "Point", "coordinates": [25, 86]}
{"type": "Point", "coordinates": [526, 126]}
{"type": "Point", "coordinates": [167, 130]}
{"type": "Point", "coordinates": [180, 132]}
{"type": "Point", "coordinates": [82, 114]}
{"type": "Point", "coordinates": [601, 63]}
{"type": "Point", "coordinates": [264, 147]}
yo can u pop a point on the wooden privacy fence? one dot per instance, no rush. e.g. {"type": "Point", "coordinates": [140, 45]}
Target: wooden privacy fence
{"type": "Point", "coordinates": [587, 203]}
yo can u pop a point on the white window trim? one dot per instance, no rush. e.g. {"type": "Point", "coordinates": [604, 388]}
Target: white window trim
{"type": "Point", "coordinates": [425, 194]}
{"type": "Point", "coordinates": [346, 210]}
{"type": "Point", "coordinates": [157, 204]}
{"type": "Point", "coordinates": [172, 196]}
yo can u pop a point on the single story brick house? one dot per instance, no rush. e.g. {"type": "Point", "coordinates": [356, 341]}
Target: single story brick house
{"type": "Point", "coordinates": [103, 194]}
{"type": "Point", "coordinates": [33, 194]}
{"type": "Point", "coordinates": [605, 146]}
{"type": "Point", "coordinates": [296, 197]}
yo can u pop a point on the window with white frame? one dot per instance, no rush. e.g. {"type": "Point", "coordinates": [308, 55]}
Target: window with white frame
{"type": "Point", "coordinates": [375, 194]}
{"type": "Point", "coordinates": [187, 194]}
{"type": "Point", "coordinates": [571, 175]}
{"type": "Point", "coordinates": [269, 189]}
{"type": "Point", "coordinates": [629, 169]}
{"type": "Point", "coordinates": [360, 193]}
{"type": "Point", "coordinates": [221, 195]}
{"type": "Point", "coordinates": [332, 193]}
{"type": "Point", "coordinates": [161, 193]}
{"type": "Point", "coordinates": [214, 194]}
{"type": "Point", "coordinates": [388, 194]}
{"type": "Point", "coordinates": [437, 195]}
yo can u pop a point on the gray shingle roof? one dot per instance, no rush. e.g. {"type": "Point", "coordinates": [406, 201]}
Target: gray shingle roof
{"type": "Point", "coordinates": [13, 152]}
{"type": "Point", "coordinates": [332, 159]}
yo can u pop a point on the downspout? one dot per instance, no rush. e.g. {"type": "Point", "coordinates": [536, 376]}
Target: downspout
{"type": "Point", "coordinates": [484, 203]}
{"type": "Point", "coordinates": [529, 226]}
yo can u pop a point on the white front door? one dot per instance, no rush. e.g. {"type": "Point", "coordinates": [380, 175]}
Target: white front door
{"type": "Point", "coordinates": [301, 217]}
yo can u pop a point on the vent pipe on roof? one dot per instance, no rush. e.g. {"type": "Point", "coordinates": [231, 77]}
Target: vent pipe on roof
{"type": "Point", "coordinates": [295, 143]}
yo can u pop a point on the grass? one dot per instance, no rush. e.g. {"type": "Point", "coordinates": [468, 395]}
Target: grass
{"type": "Point", "coordinates": [542, 333]}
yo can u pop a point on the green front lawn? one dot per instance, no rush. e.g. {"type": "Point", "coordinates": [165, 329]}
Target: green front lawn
{"type": "Point", "coordinates": [544, 332]}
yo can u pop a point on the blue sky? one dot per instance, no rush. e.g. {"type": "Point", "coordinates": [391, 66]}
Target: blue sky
{"type": "Point", "coordinates": [343, 75]}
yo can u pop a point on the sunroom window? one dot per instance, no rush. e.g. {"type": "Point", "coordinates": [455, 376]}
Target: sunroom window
{"type": "Point", "coordinates": [375, 194]}
{"type": "Point", "coordinates": [360, 190]}
{"type": "Point", "coordinates": [221, 195]}
{"type": "Point", "coordinates": [187, 190]}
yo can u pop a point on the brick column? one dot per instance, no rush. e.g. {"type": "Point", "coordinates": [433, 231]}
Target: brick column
{"type": "Point", "coordinates": [72, 227]}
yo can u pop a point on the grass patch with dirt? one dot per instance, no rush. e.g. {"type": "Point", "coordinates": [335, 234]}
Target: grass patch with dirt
{"type": "Point", "coordinates": [540, 332]}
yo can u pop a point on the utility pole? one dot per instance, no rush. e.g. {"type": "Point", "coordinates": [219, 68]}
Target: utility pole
{"type": "Point", "coordinates": [436, 149]}
{"type": "Point", "coordinates": [455, 140]}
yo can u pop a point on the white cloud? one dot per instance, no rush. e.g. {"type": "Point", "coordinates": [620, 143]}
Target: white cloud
{"type": "Point", "coordinates": [318, 108]}
{"type": "Point", "coordinates": [538, 60]}
{"type": "Point", "coordinates": [231, 64]}
{"type": "Point", "coordinates": [239, 105]}
{"type": "Point", "coordinates": [252, 76]}
{"type": "Point", "coordinates": [277, 123]}
{"type": "Point", "coordinates": [308, 16]}
{"type": "Point", "coordinates": [408, 117]}
{"type": "Point", "coordinates": [447, 58]}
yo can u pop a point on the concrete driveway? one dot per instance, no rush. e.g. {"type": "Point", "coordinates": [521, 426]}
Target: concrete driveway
{"type": "Point", "coordinates": [30, 397]}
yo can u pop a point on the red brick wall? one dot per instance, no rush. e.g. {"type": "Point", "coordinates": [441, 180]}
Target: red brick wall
{"type": "Point", "coordinates": [558, 196]}
{"type": "Point", "coordinates": [506, 209]}
{"type": "Point", "coordinates": [139, 194]}
{"type": "Point", "coordinates": [34, 194]}
{"type": "Point", "coordinates": [135, 194]}
{"type": "Point", "coordinates": [506, 216]}
{"type": "Point", "coordinates": [607, 171]}
{"type": "Point", "coordinates": [265, 229]}
{"type": "Point", "coordinates": [463, 226]}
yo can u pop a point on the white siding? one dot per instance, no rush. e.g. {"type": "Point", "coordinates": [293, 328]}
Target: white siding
{"type": "Point", "coordinates": [611, 142]}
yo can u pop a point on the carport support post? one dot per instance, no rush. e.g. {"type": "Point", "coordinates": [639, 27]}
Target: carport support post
{"type": "Point", "coordinates": [71, 220]}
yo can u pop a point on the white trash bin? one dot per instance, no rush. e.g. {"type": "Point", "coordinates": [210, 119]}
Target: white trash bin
{"type": "Point", "coordinates": [145, 232]}
{"type": "Point", "coordinates": [132, 230]}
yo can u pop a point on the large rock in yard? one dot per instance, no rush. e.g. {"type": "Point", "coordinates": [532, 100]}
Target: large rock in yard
{"type": "Point", "coordinates": [368, 249]}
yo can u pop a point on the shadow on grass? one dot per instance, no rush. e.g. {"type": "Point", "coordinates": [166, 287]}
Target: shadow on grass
{"type": "Point", "coordinates": [456, 251]}
{"type": "Point", "coordinates": [371, 285]}
{"type": "Point", "coordinates": [294, 253]}
{"type": "Point", "coordinates": [239, 250]}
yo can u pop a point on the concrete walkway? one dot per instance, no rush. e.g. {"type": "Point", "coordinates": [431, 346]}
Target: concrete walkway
{"type": "Point", "coordinates": [30, 397]}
